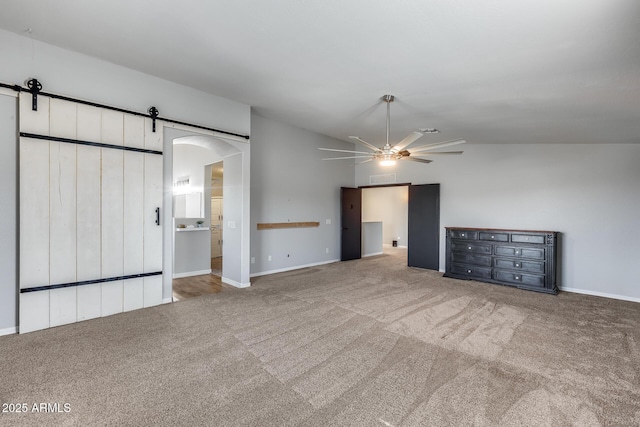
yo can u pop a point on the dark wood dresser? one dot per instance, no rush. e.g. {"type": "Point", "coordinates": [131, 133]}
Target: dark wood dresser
{"type": "Point", "coordinates": [521, 258]}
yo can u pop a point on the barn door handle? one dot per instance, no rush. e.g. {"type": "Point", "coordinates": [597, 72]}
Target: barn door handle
{"type": "Point", "coordinates": [157, 216]}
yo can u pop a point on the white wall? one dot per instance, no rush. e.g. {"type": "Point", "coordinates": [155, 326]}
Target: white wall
{"type": "Point", "coordinates": [68, 73]}
{"type": "Point", "coordinates": [390, 205]}
{"type": "Point", "coordinates": [232, 215]}
{"type": "Point", "coordinates": [589, 193]}
{"type": "Point", "coordinates": [8, 215]}
{"type": "Point", "coordinates": [290, 183]}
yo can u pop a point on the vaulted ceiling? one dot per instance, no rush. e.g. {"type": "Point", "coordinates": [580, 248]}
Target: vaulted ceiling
{"type": "Point", "coordinates": [488, 71]}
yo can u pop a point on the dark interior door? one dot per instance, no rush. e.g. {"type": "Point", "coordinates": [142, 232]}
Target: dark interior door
{"type": "Point", "coordinates": [351, 223]}
{"type": "Point", "coordinates": [424, 226]}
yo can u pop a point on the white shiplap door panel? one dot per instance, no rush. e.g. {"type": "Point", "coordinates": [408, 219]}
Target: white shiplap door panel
{"type": "Point", "coordinates": [34, 213]}
{"type": "Point", "coordinates": [36, 122]}
{"type": "Point", "coordinates": [62, 306]}
{"type": "Point", "coordinates": [87, 213]}
{"type": "Point", "coordinates": [89, 237]}
{"type": "Point", "coordinates": [112, 127]}
{"type": "Point", "coordinates": [89, 126]}
{"type": "Point", "coordinates": [88, 234]}
{"type": "Point", "coordinates": [111, 298]}
{"type": "Point", "coordinates": [133, 131]}
{"type": "Point", "coordinates": [89, 301]}
{"type": "Point", "coordinates": [34, 311]}
{"type": "Point", "coordinates": [153, 140]}
{"type": "Point", "coordinates": [152, 291]}
{"type": "Point", "coordinates": [133, 294]}
{"type": "Point", "coordinates": [62, 211]}
{"type": "Point", "coordinates": [62, 118]}
{"type": "Point", "coordinates": [152, 201]}
{"type": "Point", "coordinates": [112, 213]}
{"type": "Point", "coordinates": [133, 212]}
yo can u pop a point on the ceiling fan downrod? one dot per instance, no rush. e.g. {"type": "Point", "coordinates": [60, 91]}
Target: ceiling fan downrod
{"type": "Point", "coordinates": [388, 99]}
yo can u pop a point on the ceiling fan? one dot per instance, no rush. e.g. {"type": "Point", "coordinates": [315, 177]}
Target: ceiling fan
{"type": "Point", "coordinates": [388, 154]}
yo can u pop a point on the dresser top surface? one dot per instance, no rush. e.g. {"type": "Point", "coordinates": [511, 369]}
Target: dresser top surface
{"type": "Point", "coordinates": [500, 230]}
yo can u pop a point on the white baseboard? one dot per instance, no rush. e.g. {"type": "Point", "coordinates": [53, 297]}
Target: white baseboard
{"type": "Point", "coordinates": [9, 331]}
{"type": "Point", "coordinates": [600, 294]}
{"type": "Point", "coordinates": [373, 254]}
{"type": "Point", "coordinates": [191, 273]}
{"type": "Point", "coordinates": [167, 300]}
{"type": "Point", "coordinates": [234, 283]}
{"type": "Point", "coordinates": [297, 267]}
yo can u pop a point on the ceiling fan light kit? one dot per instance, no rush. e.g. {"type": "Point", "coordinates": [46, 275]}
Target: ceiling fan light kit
{"type": "Point", "coordinates": [388, 155]}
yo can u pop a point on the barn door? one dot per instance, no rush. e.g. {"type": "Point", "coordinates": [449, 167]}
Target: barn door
{"type": "Point", "coordinates": [424, 226]}
{"type": "Point", "coordinates": [90, 230]}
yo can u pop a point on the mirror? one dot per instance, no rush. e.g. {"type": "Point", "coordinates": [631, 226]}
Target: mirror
{"type": "Point", "coordinates": [188, 205]}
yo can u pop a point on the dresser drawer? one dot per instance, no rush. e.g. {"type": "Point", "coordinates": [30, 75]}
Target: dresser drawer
{"type": "Point", "coordinates": [520, 252]}
{"type": "Point", "coordinates": [517, 278]}
{"type": "Point", "coordinates": [471, 271]}
{"type": "Point", "coordinates": [478, 248]}
{"type": "Point", "coordinates": [464, 234]}
{"type": "Point", "coordinates": [528, 238]}
{"type": "Point", "coordinates": [515, 264]}
{"type": "Point", "coordinates": [464, 258]}
{"type": "Point", "coordinates": [494, 237]}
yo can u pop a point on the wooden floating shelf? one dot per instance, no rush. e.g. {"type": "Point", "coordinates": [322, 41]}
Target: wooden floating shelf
{"type": "Point", "coordinates": [271, 225]}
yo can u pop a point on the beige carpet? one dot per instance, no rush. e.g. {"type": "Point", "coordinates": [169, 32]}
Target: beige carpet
{"type": "Point", "coordinates": [361, 343]}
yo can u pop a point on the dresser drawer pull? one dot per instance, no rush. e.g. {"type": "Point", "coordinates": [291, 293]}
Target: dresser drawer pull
{"type": "Point", "coordinates": [462, 234]}
{"type": "Point", "coordinates": [517, 277]}
{"type": "Point", "coordinates": [469, 271]}
{"type": "Point", "coordinates": [517, 265]}
{"type": "Point", "coordinates": [469, 247]}
{"type": "Point", "coordinates": [517, 252]}
{"type": "Point", "coordinates": [493, 237]}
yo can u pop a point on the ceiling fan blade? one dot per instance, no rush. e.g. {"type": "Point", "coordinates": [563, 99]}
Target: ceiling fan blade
{"type": "Point", "coordinates": [351, 157]}
{"type": "Point", "coordinates": [437, 152]}
{"type": "Point", "coordinates": [437, 145]}
{"type": "Point", "coordinates": [365, 161]}
{"type": "Point", "coordinates": [365, 143]}
{"type": "Point", "coordinates": [344, 151]}
{"type": "Point", "coordinates": [410, 139]}
{"type": "Point", "coordinates": [415, 159]}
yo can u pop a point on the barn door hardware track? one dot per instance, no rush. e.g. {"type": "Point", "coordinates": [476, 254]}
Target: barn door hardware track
{"type": "Point", "coordinates": [35, 88]}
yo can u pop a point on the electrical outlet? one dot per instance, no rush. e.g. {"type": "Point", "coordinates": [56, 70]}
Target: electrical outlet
{"type": "Point", "coordinates": [253, 260]}
{"type": "Point", "coordinates": [269, 258]}
{"type": "Point", "coordinates": [326, 250]}
{"type": "Point", "coordinates": [327, 221]}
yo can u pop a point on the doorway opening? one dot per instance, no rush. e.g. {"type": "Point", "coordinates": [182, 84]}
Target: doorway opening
{"type": "Point", "coordinates": [385, 209]}
{"type": "Point", "coordinates": [217, 217]}
{"type": "Point", "coordinates": [399, 218]}
{"type": "Point", "coordinates": [188, 195]}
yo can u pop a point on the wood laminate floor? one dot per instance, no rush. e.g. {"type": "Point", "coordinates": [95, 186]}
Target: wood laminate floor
{"type": "Point", "coordinates": [195, 286]}
{"type": "Point", "coordinates": [216, 266]}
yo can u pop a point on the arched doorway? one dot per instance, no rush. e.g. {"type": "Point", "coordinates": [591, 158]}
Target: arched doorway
{"type": "Point", "coordinates": [236, 156]}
